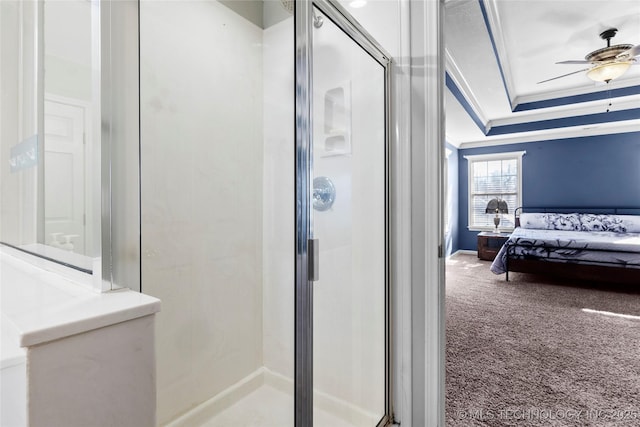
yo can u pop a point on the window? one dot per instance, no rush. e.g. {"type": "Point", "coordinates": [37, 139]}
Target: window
{"type": "Point", "coordinates": [490, 176]}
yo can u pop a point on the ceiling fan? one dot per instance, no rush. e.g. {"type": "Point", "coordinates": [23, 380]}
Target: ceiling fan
{"type": "Point", "coordinates": [607, 63]}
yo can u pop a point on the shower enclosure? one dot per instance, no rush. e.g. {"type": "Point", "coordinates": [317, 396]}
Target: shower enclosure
{"type": "Point", "coordinates": [265, 211]}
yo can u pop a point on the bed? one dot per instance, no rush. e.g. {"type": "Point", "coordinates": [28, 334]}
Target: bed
{"type": "Point", "coordinates": [599, 244]}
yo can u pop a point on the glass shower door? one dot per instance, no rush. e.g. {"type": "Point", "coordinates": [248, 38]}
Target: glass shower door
{"type": "Point", "coordinates": [349, 220]}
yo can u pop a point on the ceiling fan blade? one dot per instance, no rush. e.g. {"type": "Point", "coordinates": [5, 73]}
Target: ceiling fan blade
{"type": "Point", "coordinates": [564, 75]}
{"type": "Point", "coordinates": [629, 54]}
{"type": "Point", "coordinates": [579, 61]}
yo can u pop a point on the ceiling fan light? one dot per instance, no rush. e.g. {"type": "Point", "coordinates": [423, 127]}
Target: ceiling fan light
{"type": "Point", "coordinates": [609, 71]}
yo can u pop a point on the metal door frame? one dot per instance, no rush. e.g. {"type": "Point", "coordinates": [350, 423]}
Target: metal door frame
{"type": "Point", "coordinates": [303, 18]}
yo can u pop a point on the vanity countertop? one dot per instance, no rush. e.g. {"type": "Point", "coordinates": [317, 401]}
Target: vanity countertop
{"type": "Point", "coordinates": [40, 306]}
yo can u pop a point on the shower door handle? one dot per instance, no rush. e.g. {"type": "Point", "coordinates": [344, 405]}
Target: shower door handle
{"type": "Point", "coordinates": [314, 259]}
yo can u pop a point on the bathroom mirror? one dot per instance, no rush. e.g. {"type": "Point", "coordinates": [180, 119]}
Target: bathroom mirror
{"type": "Point", "coordinates": [71, 139]}
{"type": "Point", "coordinates": [50, 130]}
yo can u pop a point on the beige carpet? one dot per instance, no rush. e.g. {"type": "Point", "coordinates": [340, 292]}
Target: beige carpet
{"type": "Point", "coordinates": [539, 352]}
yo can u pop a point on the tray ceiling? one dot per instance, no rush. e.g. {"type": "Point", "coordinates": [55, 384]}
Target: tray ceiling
{"type": "Point", "coordinates": [497, 51]}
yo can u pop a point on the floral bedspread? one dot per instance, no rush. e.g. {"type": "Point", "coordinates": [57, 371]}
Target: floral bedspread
{"type": "Point", "coordinates": [595, 247]}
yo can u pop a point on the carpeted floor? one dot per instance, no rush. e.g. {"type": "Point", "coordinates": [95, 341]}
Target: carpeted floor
{"type": "Point", "coordinates": [525, 353]}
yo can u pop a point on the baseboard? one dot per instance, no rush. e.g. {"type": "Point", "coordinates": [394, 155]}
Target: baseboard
{"type": "Point", "coordinates": [464, 252]}
{"type": "Point", "coordinates": [210, 408]}
{"type": "Point", "coordinates": [264, 376]}
{"type": "Point", "coordinates": [324, 401]}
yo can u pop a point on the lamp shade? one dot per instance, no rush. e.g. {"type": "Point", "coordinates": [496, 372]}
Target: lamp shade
{"type": "Point", "coordinates": [497, 206]}
{"type": "Point", "coordinates": [609, 71]}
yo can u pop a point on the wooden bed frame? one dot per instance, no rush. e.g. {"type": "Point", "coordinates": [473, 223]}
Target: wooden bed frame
{"type": "Point", "coordinates": [602, 273]}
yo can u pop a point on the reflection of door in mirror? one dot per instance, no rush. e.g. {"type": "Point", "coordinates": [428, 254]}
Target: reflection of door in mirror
{"type": "Point", "coordinates": [71, 79]}
{"type": "Point", "coordinates": [64, 180]}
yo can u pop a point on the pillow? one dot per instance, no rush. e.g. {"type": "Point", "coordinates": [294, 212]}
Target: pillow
{"type": "Point", "coordinates": [550, 221]}
{"type": "Point", "coordinates": [533, 220]}
{"type": "Point", "coordinates": [614, 223]}
{"type": "Point", "coordinates": [559, 221]}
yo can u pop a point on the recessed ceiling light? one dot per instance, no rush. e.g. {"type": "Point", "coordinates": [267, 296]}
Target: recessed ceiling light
{"type": "Point", "coordinates": [358, 3]}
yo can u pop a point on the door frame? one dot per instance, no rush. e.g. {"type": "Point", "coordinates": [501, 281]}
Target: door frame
{"type": "Point", "coordinates": [303, 17]}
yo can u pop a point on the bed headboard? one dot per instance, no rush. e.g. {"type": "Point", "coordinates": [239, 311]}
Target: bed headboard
{"type": "Point", "coordinates": [629, 210]}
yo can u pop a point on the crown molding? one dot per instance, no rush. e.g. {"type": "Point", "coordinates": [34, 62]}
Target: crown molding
{"type": "Point", "coordinates": [570, 110]}
{"type": "Point", "coordinates": [453, 141]}
{"type": "Point", "coordinates": [494, 28]}
{"type": "Point", "coordinates": [567, 111]}
{"type": "Point", "coordinates": [463, 85]}
{"type": "Point", "coordinates": [615, 86]}
{"type": "Point", "coordinates": [555, 134]}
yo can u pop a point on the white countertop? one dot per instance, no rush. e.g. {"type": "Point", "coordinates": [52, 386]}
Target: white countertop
{"type": "Point", "coordinates": [40, 306]}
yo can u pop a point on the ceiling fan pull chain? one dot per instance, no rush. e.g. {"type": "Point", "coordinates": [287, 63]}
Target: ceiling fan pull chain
{"type": "Point", "coordinates": [609, 96]}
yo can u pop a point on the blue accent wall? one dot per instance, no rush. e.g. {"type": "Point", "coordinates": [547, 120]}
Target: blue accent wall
{"type": "Point", "coordinates": [452, 211]}
{"type": "Point", "coordinates": [457, 93]}
{"type": "Point", "coordinates": [593, 171]}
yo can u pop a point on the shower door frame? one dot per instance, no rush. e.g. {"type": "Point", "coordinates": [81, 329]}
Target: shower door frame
{"type": "Point", "coordinates": [303, 18]}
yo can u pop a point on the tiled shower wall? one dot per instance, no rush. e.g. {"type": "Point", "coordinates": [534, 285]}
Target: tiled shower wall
{"type": "Point", "coordinates": [202, 163]}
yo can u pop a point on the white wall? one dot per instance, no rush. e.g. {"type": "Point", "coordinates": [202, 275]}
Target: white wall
{"type": "Point", "coordinates": [201, 113]}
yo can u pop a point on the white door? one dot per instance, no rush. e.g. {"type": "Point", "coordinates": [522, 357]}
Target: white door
{"type": "Point", "coordinates": [64, 183]}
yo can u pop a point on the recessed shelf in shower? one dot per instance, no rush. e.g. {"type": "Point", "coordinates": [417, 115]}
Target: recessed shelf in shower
{"type": "Point", "coordinates": [337, 120]}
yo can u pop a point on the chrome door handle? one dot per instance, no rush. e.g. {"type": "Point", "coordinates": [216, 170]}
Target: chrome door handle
{"type": "Point", "coordinates": [313, 252]}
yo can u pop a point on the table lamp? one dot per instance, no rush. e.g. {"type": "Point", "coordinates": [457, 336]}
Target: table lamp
{"type": "Point", "coordinates": [497, 206]}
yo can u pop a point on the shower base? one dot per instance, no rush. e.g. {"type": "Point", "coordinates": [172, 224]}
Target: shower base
{"type": "Point", "coordinates": [265, 399]}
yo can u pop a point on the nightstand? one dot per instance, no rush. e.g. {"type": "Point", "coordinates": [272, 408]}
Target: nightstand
{"type": "Point", "coordinates": [489, 244]}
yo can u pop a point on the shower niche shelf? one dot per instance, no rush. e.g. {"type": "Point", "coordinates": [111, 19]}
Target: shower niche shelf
{"type": "Point", "coordinates": [337, 121]}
